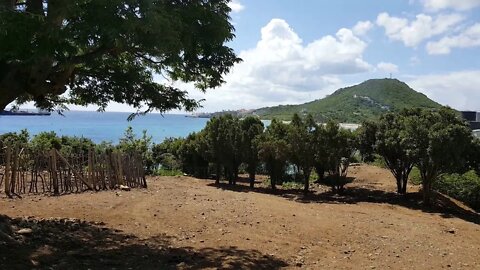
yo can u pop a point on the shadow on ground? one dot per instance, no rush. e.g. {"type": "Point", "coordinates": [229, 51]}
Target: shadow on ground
{"type": "Point", "coordinates": [442, 205]}
{"type": "Point", "coordinates": [73, 244]}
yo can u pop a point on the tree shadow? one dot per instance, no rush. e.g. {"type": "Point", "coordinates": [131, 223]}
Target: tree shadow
{"type": "Point", "coordinates": [73, 244]}
{"type": "Point", "coordinates": [442, 205]}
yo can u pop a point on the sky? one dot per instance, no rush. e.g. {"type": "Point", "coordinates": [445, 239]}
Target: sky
{"type": "Point", "coordinates": [298, 51]}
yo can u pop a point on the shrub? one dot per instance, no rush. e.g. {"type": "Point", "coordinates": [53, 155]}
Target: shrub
{"type": "Point", "coordinates": [464, 187]}
{"type": "Point", "coordinates": [165, 172]}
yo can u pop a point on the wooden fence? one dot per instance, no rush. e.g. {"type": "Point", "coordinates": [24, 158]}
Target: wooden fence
{"type": "Point", "coordinates": [25, 171]}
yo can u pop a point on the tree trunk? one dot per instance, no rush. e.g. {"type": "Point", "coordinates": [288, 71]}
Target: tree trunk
{"type": "Point", "coordinates": [399, 184]}
{"type": "Point", "coordinates": [251, 174]}
{"type": "Point", "coordinates": [306, 179]}
{"type": "Point", "coordinates": [251, 177]}
{"type": "Point", "coordinates": [427, 198]}
{"type": "Point", "coordinates": [404, 187]}
{"type": "Point", "coordinates": [217, 176]}
{"type": "Point", "coordinates": [235, 175]}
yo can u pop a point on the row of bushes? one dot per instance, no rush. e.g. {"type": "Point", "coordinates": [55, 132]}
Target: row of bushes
{"type": "Point", "coordinates": [292, 151]}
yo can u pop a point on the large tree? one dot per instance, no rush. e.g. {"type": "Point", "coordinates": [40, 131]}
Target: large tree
{"type": "Point", "coordinates": [57, 52]}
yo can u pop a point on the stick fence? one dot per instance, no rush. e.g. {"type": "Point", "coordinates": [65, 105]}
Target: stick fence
{"type": "Point", "coordinates": [24, 171]}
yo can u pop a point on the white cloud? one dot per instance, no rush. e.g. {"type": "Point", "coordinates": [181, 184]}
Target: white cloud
{"type": "Point", "coordinates": [436, 5]}
{"type": "Point", "coordinates": [236, 6]}
{"type": "Point", "coordinates": [362, 28]}
{"type": "Point", "coordinates": [457, 89]}
{"type": "Point", "coordinates": [281, 69]}
{"type": "Point", "coordinates": [470, 37]}
{"type": "Point", "coordinates": [387, 67]}
{"type": "Point", "coordinates": [412, 33]}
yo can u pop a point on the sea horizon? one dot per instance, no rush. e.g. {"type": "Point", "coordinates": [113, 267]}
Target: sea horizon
{"type": "Point", "coordinates": [105, 126]}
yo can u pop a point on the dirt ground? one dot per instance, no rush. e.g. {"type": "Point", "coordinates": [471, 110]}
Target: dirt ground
{"type": "Point", "coordinates": [188, 223]}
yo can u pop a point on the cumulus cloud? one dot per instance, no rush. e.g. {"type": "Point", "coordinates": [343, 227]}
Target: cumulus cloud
{"type": "Point", "coordinates": [457, 89]}
{"type": "Point", "coordinates": [436, 5]}
{"type": "Point", "coordinates": [412, 33]}
{"type": "Point", "coordinates": [236, 6]}
{"type": "Point", "coordinates": [470, 37]}
{"type": "Point", "coordinates": [282, 69]}
{"type": "Point", "coordinates": [362, 28]}
{"type": "Point", "coordinates": [387, 67]}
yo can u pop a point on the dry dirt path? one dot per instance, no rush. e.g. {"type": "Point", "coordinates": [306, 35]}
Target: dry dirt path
{"type": "Point", "coordinates": [182, 222]}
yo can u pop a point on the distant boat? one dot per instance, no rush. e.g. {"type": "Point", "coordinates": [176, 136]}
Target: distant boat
{"type": "Point", "coordinates": [24, 113]}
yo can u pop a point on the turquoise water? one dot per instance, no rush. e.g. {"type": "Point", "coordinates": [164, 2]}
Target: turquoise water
{"type": "Point", "coordinates": [107, 126]}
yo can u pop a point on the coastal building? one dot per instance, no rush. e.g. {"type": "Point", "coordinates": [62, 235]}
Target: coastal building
{"type": "Point", "coordinates": [473, 118]}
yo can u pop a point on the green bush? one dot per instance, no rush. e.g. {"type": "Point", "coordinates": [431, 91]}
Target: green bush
{"type": "Point", "coordinates": [165, 172]}
{"type": "Point", "coordinates": [415, 177]}
{"type": "Point", "coordinates": [378, 161]}
{"type": "Point", "coordinates": [464, 187]}
{"type": "Point", "coordinates": [292, 185]}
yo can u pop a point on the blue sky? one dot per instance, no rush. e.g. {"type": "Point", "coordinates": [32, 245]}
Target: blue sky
{"type": "Point", "coordinates": [297, 51]}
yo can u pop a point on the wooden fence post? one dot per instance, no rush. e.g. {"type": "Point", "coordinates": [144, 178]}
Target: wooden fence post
{"type": "Point", "coordinates": [53, 153]}
{"type": "Point", "coordinates": [13, 175]}
{"type": "Point", "coordinates": [120, 171]}
{"type": "Point", "coordinates": [8, 154]}
{"type": "Point", "coordinates": [90, 167]}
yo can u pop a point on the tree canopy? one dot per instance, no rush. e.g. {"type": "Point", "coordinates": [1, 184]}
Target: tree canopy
{"type": "Point", "coordinates": [93, 52]}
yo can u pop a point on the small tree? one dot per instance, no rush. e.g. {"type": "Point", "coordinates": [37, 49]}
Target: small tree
{"type": "Point", "coordinates": [194, 155]}
{"type": "Point", "coordinates": [132, 145]}
{"type": "Point", "coordinates": [215, 141]}
{"type": "Point", "coordinates": [442, 141]}
{"type": "Point", "coordinates": [394, 143]}
{"type": "Point", "coordinates": [301, 153]}
{"type": "Point", "coordinates": [272, 151]}
{"type": "Point", "coordinates": [339, 147]}
{"type": "Point", "coordinates": [320, 152]}
{"type": "Point", "coordinates": [223, 136]}
{"type": "Point", "coordinates": [366, 140]}
{"type": "Point", "coordinates": [252, 128]}
{"type": "Point", "coordinates": [167, 153]}
{"type": "Point", "coordinates": [231, 145]}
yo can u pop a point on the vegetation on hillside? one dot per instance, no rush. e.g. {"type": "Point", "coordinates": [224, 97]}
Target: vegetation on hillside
{"type": "Point", "coordinates": [366, 101]}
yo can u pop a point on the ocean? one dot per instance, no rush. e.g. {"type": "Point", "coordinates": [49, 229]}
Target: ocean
{"type": "Point", "coordinates": [106, 126]}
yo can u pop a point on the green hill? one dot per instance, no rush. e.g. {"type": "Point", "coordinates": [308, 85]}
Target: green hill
{"type": "Point", "coordinates": [354, 104]}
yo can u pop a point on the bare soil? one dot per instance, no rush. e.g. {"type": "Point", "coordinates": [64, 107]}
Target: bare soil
{"type": "Point", "coordinates": [188, 223]}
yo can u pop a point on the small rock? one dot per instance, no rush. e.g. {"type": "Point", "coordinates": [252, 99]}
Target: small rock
{"type": "Point", "coordinates": [299, 264]}
{"type": "Point", "coordinates": [125, 188]}
{"type": "Point", "coordinates": [452, 231]}
{"type": "Point", "coordinates": [24, 231]}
